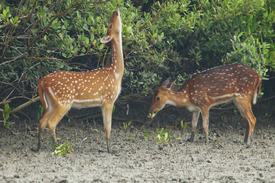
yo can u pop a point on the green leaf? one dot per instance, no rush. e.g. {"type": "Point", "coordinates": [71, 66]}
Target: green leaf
{"type": "Point", "coordinates": [8, 125]}
{"type": "Point", "coordinates": [69, 2]}
{"type": "Point", "coordinates": [66, 23]}
{"type": "Point", "coordinates": [101, 46]}
{"type": "Point", "coordinates": [183, 126]}
{"type": "Point", "coordinates": [86, 40]}
{"type": "Point", "coordinates": [6, 113]}
{"type": "Point", "coordinates": [85, 27]}
{"type": "Point", "coordinates": [60, 35]}
{"type": "Point", "coordinates": [15, 20]}
{"type": "Point", "coordinates": [64, 54]}
{"type": "Point", "coordinates": [92, 37]}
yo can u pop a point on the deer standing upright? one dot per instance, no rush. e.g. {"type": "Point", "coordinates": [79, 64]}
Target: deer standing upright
{"type": "Point", "coordinates": [235, 82]}
{"type": "Point", "coordinates": [62, 90]}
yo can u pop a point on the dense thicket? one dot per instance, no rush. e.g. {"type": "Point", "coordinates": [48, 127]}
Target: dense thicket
{"type": "Point", "coordinates": [160, 39]}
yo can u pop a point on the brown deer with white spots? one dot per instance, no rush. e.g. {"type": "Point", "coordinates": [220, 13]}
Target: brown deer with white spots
{"type": "Point", "coordinates": [235, 82]}
{"type": "Point", "coordinates": [62, 90]}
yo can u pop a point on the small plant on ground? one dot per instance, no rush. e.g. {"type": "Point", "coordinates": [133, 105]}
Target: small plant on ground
{"type": "Point", "coordinates": [146, 135]}
{"type": "Point", "coordinates": [126, 124]}
{"type": "Point", "coordinates": [162, 136]}
{"type": "Point", "coordinates": [6, 115]}
{"type": "Point", "coordinates": [183, 126]}
{"type": "Point", "coordinates": [130, 138]}
{"type": "Point", "coordinates": [62, 149]}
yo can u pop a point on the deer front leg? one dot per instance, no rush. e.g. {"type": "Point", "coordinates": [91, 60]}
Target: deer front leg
{"type": "Point", "coordinates": [195, 118]}
{"type": "Point", "coordinates": [107, 120]}
{"type": "Point", "coordinates": [205, 122]}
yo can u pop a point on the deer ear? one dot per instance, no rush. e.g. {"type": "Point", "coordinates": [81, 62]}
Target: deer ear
{"type": "Point", "coordinates": [106, 39]}
{"type": "Point", "coordinates": [167, 83]}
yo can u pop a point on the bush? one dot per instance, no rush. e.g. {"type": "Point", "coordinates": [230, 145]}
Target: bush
{"type": "Point", "coordinates": [169, 39]}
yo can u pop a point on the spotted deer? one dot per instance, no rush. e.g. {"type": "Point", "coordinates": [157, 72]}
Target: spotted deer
{"type": "Point", "coordinates": [203, 90]}
{"type": "Point", "coordinates": [62, 90]}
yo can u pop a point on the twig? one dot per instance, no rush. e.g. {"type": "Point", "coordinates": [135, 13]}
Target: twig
{"type": "Point", "coordinates": [2, 121]}
{"type": "Point", "coordinates": [10, 99]}
{"type": "Point", "coordinates": [5, 99]}
{"type": "Point", "coordinates": [29, 58]}
{"type": "Point", "coordinates": [263, 100]}
{"type": "Point", "coordinates": [24, 105]}
{"type": "Point", "coordinates": [13, 59]}
{"type": "Point", "coordinates": [25, 115]}
{"type": "Point", "coordinates": [20, 79]}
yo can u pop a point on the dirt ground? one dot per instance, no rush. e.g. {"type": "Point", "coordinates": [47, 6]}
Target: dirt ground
{"type": "Point", "coordinates": [133, 159]}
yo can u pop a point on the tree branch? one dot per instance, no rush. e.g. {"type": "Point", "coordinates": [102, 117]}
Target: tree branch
{"type": "Point", "coordinates": [22, 106]}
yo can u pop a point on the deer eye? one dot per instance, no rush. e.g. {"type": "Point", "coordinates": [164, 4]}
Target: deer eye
{"type": "Point", "coordinates": [158, 98]}
{"type": "Point", "coordinates": [110, 26]}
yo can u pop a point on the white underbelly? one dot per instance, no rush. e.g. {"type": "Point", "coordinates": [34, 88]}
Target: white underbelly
{"type": "Point", "coordinates": [222, 102]}
{"type": "Point", "coordinates": [79, 104]}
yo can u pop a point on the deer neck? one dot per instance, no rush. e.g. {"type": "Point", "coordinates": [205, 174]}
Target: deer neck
{"type": "Point", "coordinates": [117, 64]}
{"type": "Point", "coordinates": [179, 98]}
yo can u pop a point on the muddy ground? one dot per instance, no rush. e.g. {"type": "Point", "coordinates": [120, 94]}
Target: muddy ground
{"type": "Point", "coordinates": [133, 159]}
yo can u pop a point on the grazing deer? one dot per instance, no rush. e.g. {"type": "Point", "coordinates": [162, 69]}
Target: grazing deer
{"type": "Point", "coordinates": [203, 90]}
{"type": "Point", "coordinates": [62, 90]}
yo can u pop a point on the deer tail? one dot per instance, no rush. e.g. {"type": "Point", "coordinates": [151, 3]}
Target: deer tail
{"type": "Point", "coordinates": [42, 94]}
{"type": "Point", "coordinates": [257, 91]}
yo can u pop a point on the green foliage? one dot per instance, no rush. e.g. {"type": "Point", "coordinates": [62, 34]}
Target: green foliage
{"type": "Point", "coordinates": [40, 111]}
{"type": "Point", "coordinates": [146, 135]}
{"type": "Point", "coordinates": [114, 108]}
{"type": "Point", "coordinates": [162, 136]}
{"type": "Point", "coordinates": [164, 40]}
{"type": "Point", "coordinates": [130, 138]}
{"type": "Point", "coordinates": [6, 115]}
{"type": "Point", "coordinates": [126, 125]}
{"type": "Point", "coordinates": [6, 112]}
{"type": "Point", "coordinates": [183, 126]}
{"type": "Point", "coordinates": [62, 149]}
{"type": "Point", "coordinates": [250, 52]}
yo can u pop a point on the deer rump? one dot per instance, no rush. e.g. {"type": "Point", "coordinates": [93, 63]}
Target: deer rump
{"type": "Point", "coordinates": [222, 84]}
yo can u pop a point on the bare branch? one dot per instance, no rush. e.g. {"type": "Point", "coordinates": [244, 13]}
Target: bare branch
{"type": "Point", "coordinates": [19, 108]}
{"type": "Point", "coordinates": [12, 59]}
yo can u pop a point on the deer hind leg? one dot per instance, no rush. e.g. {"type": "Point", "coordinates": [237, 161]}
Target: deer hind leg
{"type": "Point", "coordinates": [195, 118]}
{"type": "Point", "coordinates": [107, 120]}
{"type": "Point", "coordinates": [55, 118]}
{"type": "Point", "coordinates": [244, 107]}
{"type": "Point", "coordinates": [42, 125]}
{"type": "Point", "coordinates": [205, 122]}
